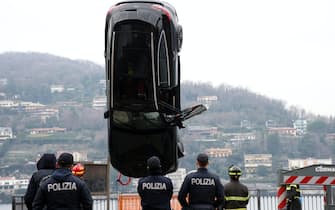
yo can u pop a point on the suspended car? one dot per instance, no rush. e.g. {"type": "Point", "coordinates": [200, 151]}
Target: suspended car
{"type": "Point", "coordinates": [142, 42]}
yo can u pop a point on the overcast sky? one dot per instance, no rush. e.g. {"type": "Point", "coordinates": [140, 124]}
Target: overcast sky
{"type": "Point", "coordinates": [283, 49]}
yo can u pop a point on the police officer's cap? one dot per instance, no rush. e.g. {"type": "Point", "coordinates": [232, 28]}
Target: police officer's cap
{"type": "Point", "coordinates": [202, 158]}
{"type": "Point", "coordinates": [154, 163]}
{"type": "Point", "coordinates": [65, 159]}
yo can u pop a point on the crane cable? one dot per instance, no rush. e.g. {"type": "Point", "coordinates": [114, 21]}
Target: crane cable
{"type": "Point", "coordinates": [121, 182]}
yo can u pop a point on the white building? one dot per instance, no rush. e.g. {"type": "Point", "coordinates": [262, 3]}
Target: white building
{"type": "Point", "coordinates": [177, 178]}
{"type": "Point", "coordinates": [8, 103]}
{"type": "Point", "coordinates": [219, 152]}
{"type": "Point", "coordinates": [300, 126]}
{"type": "Point", "coordinates": [300, 163]}
{"type": "Point", "coordinates": [284, 131]}
{"type": "Point", "coordinates": [79, 156]}
{"type": "Point", "coordinates": [10, 184]}
{"type": "Point", "coordinates": [6, 133]}
{"type": "Point", "coordinates": [37, 131]}
{"type": "Point", "coordinates": [99, 102]}
{"type": "Point", "coordinates": [207, 100]}
{"type": "Point", "coordinates": [31, 106]}
{"type": "Point", "coordinates": [253, 161]}
{"type": "Point", "coordinates": [56, 88]}
{"type": "Point", "coordinates": [250, 136]}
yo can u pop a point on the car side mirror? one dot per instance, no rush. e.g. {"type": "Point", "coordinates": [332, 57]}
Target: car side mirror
{"type": "Point", "coordinates": [178, 118]}
{"type": "Point", "coordinates": [106, 114]}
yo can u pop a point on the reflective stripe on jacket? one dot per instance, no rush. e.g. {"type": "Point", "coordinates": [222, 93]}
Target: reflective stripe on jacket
{"type": "Point", "coordinates": [236, 196]}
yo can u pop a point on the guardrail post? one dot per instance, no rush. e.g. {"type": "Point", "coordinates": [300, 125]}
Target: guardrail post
{"type": "Point", "coordinates": [258, 199]}
{"type": "Point", "coordinates": [13, 202]}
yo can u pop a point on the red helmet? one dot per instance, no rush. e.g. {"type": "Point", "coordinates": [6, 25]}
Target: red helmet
{"type": "Point", "coordinates": [78, 170]}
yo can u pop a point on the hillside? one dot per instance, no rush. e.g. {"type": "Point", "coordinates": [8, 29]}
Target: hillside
{"type": "Point", "coordinates": [29, 76]}
{"type": "Point", "coordinates": [236, 104]}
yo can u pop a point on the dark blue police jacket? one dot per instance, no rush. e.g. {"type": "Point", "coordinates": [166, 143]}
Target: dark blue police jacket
{"type": "Point", "coordinates": [155, 191]}
{"type": "Point", "coordinates": [63, 191]}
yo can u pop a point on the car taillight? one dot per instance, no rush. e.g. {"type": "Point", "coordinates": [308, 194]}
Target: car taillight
{"type": "Point", "coordinates": [162, 9]}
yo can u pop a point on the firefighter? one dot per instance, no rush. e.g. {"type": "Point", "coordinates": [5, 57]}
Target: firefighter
{"type": "Point", "coordinates": [293, 197]}
{"type": "Point", "coordinates": [78, 170]}
{"type": "Point", "coordinates": [155, 190]}
{"type": "Point", "coordinates": [236, 193]}
{"type": "Point", "coordinates": [201, 190]}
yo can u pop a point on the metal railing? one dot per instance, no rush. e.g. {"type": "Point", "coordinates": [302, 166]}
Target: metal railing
{"type": "Point", "coordinates": [259, 200]}
{"type": "Point", "coordinates": [99, 202]}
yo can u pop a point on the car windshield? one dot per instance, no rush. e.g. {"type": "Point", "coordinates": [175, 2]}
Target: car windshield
{"type": "Point", "coordinates": [138, 120]}
{"type": "Point", "coordinates": [133, 67]}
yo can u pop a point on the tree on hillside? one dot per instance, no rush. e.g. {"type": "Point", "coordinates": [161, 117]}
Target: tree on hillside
{"type": "Point", "coordinates": [317, 126]}
{"type": "Point", "coordinates": [307, 147]}
{"type": "Point", "coordinates": [273, 144]}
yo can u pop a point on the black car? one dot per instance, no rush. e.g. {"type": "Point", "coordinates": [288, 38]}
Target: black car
{"type": "Point", "coordinates": [142, 42]}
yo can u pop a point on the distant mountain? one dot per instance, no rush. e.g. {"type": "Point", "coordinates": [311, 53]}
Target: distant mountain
{"type": "Point", "coordinates": [40, 67]}
{"type": "Point", "coordinates": [31, 74]}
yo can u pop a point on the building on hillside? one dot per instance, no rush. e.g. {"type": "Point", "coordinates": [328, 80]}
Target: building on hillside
{"type": "Point", "coordinates": [56, 88]}
{"type": "Point", "coordinates": [8, 103]}
{"type": "Point", "coordinates": [301, 126]}
{"type": "Point", "coordinates": [99, 102]}
{"type": "Point", "coordinates": [79, 156]}
{"type": "Point", "coordinates": [6, 133]}
{"type": "Point", "coordinates": [235, 137]}
{"type": "Point", "coordinates": [253, 161]}
{"type": "Point", "coordinates": [36, 131]}
{"type": "Point", "coordinates": [219, 152]}
{"type": "Point", "coordinates": [44, 113]}
{"type": "Point", "coordinates": [9, 185]}
{"type": "Point", "coordinates": [202, 131]}
{"type": "Point", "coordinates": [284, 131]}
{"type": "Point", "coordinates": [28, 106]}
{"type": "Point", "coordinates": [68, 104]}
{"type": "Point", "coordinates": [24, 106]}
{"type": "Point", "coordinates": [207, 100]}
{"type": "Point", "coordinates": [330, 136]}
{"type": "Point", "coordinates": [177, 178]}
{"type": "Point", "coordinates": [300, 163]}
{"type": "Point", "coordinates": [246, 124]}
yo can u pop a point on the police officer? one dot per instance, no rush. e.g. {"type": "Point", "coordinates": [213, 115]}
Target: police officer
{"type": "Point", "coordinates": [45, 165]}
{"type": "Point", "coordinates": [63, 190]}
{"type": "Point", "coordinates": [236, 193]}
{"type": "Point", "coordinates": [155, 190]}
{"type": "Point", "coordinates": [293, 197]}
{"type": "Point", "coordinates": [203, 188]}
